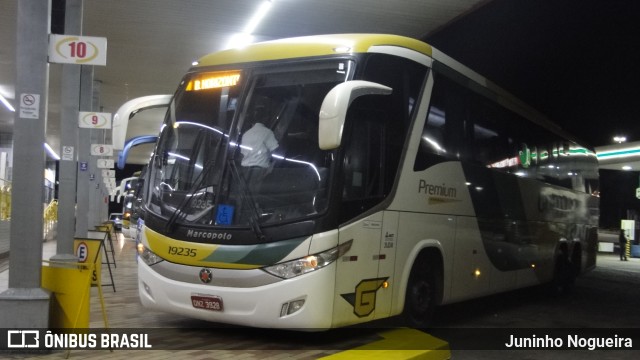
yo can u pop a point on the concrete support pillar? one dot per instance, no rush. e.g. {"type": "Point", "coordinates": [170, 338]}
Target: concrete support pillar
{"type": "Point", "coordinates": [70, 102]}
{"type": "Point", "coordinates": [96, 202]}
{"type": "Point", "coordinates": [87, 163]}
{"type": "Point", "coordinates": [25, 304]}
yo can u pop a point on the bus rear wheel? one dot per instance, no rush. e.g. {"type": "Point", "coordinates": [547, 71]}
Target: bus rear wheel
{"type": "Point", "coordinates": [422, 294]}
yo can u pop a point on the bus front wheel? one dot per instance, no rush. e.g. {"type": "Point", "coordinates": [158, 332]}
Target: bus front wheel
{"type": "Point", "coordinates": [423, 291]}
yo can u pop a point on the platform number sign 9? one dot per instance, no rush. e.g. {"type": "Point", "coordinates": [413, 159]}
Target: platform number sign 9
{"type": "Point", "coordinates": [82, 50]}
{"type": "Point", "coordinates": [94, 120]}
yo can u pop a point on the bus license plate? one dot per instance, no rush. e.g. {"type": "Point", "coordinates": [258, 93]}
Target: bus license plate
{"type": "Point", "coordinates": [212, 303]}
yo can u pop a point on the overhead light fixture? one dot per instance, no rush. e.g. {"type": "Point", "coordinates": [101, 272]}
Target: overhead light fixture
{"type": "Point", "coordinates": [627, 167]}
{"type": "Point", "coordinates": [626, 152]}
{"type": "Point", "coordinates": [7, 103]}
{"type": "Point", "coordinates": [619, 139]}
{"type": "Point", "coordinates": [51, 152]}
{"type": "Point", "coordinates": [239, 41]}
{"type": "Point", "coordinates": [257, 17]}
{"type": "Point", "coordinates": [246, 37]}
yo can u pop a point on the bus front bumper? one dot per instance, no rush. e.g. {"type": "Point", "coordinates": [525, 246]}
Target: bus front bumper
{"type": "Point", "coordinates": [266, 306]}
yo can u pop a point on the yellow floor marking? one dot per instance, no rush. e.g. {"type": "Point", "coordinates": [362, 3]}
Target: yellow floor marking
{"type": "Point", "coordinates": [399, 344]}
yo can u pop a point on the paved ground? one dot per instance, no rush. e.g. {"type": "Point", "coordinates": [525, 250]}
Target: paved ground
{"type": "Point", "coordinates": [605, 299]}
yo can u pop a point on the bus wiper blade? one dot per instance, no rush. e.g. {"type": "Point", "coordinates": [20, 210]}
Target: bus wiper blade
{"type": "Point", "coordinates": [207, 167]}
{"type": "Point", "coordinates": [178, 213]}
{"type": "Point", "coordinates": [246, 197]}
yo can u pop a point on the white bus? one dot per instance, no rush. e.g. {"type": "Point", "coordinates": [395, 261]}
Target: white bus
{"type": "Point", "coordinates": [399, 180]}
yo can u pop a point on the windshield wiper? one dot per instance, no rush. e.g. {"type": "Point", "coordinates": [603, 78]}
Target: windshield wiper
{"type": "Point", "coordinates": [245, 197]}
{"type": "Point", "coordinates": [197, 184]}
{"type": "Point", "coordinates": [178, 213]}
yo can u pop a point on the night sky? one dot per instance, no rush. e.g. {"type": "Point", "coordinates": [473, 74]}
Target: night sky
{"type": "Point", "coordinates": [576, 61]}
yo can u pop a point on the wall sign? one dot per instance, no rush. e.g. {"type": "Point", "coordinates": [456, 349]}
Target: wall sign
{"type": "Point", "coordinates": [94, 120]}
{"type": "Point", "coordinates": [30, 106]}
{"type": "Point", "coordinates": [81, 50]}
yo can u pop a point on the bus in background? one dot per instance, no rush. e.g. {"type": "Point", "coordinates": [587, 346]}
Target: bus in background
{"type": "Point", "coordinates": [324, 181]}
{"type": "Point", "coordinates": [132, 204]}
{"type": "Point", "coordinates": [128, 196]}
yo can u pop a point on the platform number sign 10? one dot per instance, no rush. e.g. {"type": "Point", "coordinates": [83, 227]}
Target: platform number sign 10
{"type": "Point", "coordinates": [82, 50]}
{"type": "Point", "coordinates": [78, 49]}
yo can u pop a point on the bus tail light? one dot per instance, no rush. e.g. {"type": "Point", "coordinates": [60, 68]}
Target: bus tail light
{"type": "Point", "coordinates": [293, 268]}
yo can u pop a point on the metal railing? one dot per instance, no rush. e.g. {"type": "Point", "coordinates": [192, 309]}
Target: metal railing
{"type": "Point", "coordinates": [50, 218]}
{"type": "Point", "coordinates": [50, 215]}
{"type": "Point", "coordinates": [5, 201]}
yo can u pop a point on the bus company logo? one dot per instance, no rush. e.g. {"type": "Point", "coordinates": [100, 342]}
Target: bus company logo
{"type": "Point", "coordinates": [438, 194]}
{"type": "Point", "coordinates": [211, 235]}
{"type": "Point", "coordinates": [205, 276]}
{"type": "Point", "coordinates": [23, 339]}
{"type": "Point", "coordinates": [363, 299]}
{"type": "Point", "coordinates": [550, 201]}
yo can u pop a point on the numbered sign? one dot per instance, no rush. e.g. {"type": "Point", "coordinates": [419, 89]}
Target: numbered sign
{"type": "Point", "coordinates": [94, 120]}
{"type": "Point", "coordinates": [109, 173]}
{"type": "Point", "coordinates": [105, 163]}
{"type": "Point", "coordinates": [101, 150]}
{"type": "Point", "coordinates": [82, 50]}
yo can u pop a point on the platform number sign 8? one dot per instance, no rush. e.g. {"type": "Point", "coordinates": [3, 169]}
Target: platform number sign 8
{"type": "Point", "coordinates": [101, 150]}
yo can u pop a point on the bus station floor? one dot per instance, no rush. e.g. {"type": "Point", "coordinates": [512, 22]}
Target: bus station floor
{"type": "Point", "coordinates": [176, 337]}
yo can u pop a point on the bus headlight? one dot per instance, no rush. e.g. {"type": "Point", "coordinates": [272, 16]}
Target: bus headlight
{"type": "Point", "coordinates": [148, 256]}
{"type": "Point", "coordinates": [293, 268]}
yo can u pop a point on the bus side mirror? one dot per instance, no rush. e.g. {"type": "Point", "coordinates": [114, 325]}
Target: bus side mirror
{"type": "Point", "coordinates": [333, 111]}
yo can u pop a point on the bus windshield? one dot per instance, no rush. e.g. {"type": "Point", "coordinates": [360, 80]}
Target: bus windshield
{"type": "Point", "coordinates": [240, 148]}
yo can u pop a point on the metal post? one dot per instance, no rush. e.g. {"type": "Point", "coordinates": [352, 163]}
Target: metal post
{"type": "Point", "coordinates": [25, 304]}
{"type": "Point", "coordinates": [70, 102]}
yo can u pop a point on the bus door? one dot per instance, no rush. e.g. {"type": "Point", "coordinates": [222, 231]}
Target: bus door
{"type": "Point", "coordinates": [357, 280]}
{"type": "Point", "coordinates": [371, 147]}
{"type": "Point", "coordinates": [386, 263]}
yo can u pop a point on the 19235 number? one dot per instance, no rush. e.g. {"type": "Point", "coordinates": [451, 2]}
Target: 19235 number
{"type": "Point", "coordinates": [182, 251]}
